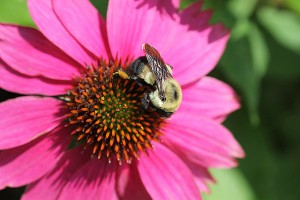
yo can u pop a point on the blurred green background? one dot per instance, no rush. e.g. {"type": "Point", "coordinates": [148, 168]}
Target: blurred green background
{"type": "Point", "coordinates": [262, 63]}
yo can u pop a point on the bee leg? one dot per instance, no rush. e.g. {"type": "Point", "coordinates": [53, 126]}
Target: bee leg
{"type": "Point", "coordinates": [121, 73]}
{"type": "Point", "coordinates": [133, 77]}
{"type": "Point", "coordinates": [145, 101]}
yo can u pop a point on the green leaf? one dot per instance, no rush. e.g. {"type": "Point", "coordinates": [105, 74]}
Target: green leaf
{"type": "Point", "coordinates": [231, 184]}
{"type": "Point", "coordinates": [186, 3]}
{"type": "Point", "coordinates": [245, 62]}
{"type": "Point", "coordinates": [292, 4]}
{"type": "Point", "coordinates": [231, 11]}
{"type": "Point", "coordinates": [259, 51]}
{"type": "Point", "coordinates": [241, 29]}
{"type": "Point", "coordinates": [237, 66]}
{"type": "Point", "coordinates": [284, 63]}
{"type": "Point", "coordinates": [16, 12]}
{"type": "Point", "coordinates": [241, 9]}
{"type": "Point", "coordinates": [220, 12]}
{"type": "Point", "coordinates": [286, 180]}
{"type": "Point", "coordinates": [283, 25]}
{"type": "Point", "coordinates": [101, 5]}
{"type": "Point", "coordinates": [260, 164]}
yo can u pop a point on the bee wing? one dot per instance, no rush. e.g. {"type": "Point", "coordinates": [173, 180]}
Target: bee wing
{"type": "Point", "coordinates": [158, 67]}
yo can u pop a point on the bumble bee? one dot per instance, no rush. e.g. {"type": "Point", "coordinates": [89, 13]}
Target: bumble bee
{"type": "Point", "coordinates": [165, 94]}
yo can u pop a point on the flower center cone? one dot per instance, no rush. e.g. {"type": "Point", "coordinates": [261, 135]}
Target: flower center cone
{"type": "Point", "coordinates": [105, 114]}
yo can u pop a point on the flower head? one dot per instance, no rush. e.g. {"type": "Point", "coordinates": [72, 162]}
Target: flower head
{"type": "Point", "coordinates": [81, 132]}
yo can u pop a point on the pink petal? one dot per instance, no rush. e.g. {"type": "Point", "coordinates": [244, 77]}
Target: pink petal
{"type": "Point", "coordinates": [26, 118]}
{"type": "Point", "coordinates": [128, 28]}
{"type": "Point", "coordinates": [84, 22]}
{"type": "Point", "coordinates": [191, 65]}
{"type": "Point", "coordinates": [27, 51]}
{"type": "Point", "coordinates": [184, 39]}
{"type": "Point", "coordinates": [165, 176]}
{"type": "Point", "coordinates": [25, 164]}
{"type": "Point", "coordinates": [53, 183]}
{"type": "Point", "coordinates": [94, 180]}
{"type": "Point", "coordinates": [19, 83]}
{"type": "Point", "coordinates": [200, 45]}
{"type": "Point", "coordinates": [129, 184]}
{"type": "Point", "coordinates": [48, 23]}
{"type": "Point", "coordinates": [125, 32]}
{"type": "Point", "coordinates": [165, 7]}
{"type": "Point", "coordinates": [201, 176]}
{"type": "Point", "coordinates": [202, 140]}
{"type": "Point", "coordinates": [209, 97]}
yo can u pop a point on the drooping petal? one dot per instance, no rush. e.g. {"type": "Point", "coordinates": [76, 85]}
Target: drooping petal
{"type": "Point", "coordinates": [209, 97]}
{"type": "Point", "coordinates": [202, 140]}
{"type": "Point", "coordinates": [129, 184]}
{"type": "Point", "coordinates": [94, 180]}
{"type": "Point", "coordinates": [25, 164]}
{"type": "Point", "coordinates": [165, 175]}
{"type": "Point", "coordinates": [83, 21]}
{"type": "Point", "coordinates": [14, 81]}
{"type": "Point", "coordinates": [27, 51]}
{"type": "Point", "coordinates": [53, 183]}
{"type": "Point", "coordinates": [48, 23]}
{"type": "Point", "coordinates": [26, 118]}
{"type": "Point", "coordinates": [201, 175]}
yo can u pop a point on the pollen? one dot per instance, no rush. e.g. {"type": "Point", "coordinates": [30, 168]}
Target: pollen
{"type": "Point", "coordinates": [106, 115]}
